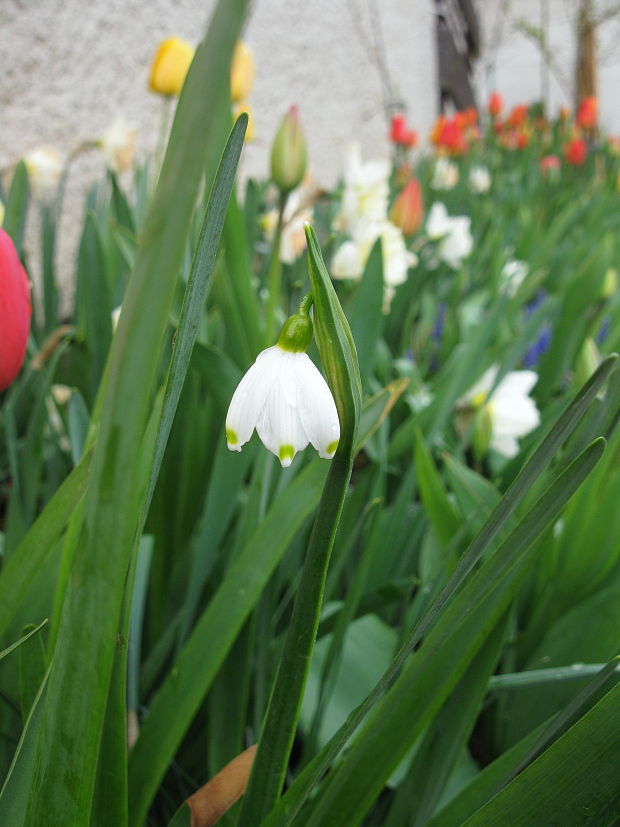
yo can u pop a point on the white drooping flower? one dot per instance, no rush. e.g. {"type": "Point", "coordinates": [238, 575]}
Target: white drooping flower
{"type": "Point", "coordinates": [479, 180]}
{"type": "Point", "coordinates": [445, 175]}
{"type": "Point", "coordinates": [513, 274]}
{"type": "Point", "coordinates": [351, 256]}
{"type": "Point", "coordinates": [453, 234]}
{"type": "Point", "coordinates": [366, 191]}
{"type": "Point", "coordinates": [511, 410]}
{"type": "Point", "coordinates": [284, 397]}
{"type": "Point", "coordinates": [44, 166]}
{"type": "Point", "coordinates": [117, 145]}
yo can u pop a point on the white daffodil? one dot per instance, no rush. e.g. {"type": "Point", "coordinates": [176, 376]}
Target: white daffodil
{"type": "Point", "coordinates": [117, 146]}
{"type": "Point", "coordinates": [479, 180]}
{"type": "Point", "coordinates": [351, 257]}
{"type": "Point", "coordinates": [284, 397]}
{"type": "Point", "coordinates": [366, 191]}
{"type": "Point", "coordinates": [511, 411]}
{"type": "Point", "coordinates": [297, 214]}
{"type": "Point", "coordinates": [44, 167]}
{"type": "Point", "coordinates": [453, 234]}
{"type": "Point", "coordinates": [445, 175]}
{"type": "Point", "coordinates": [513, 274]}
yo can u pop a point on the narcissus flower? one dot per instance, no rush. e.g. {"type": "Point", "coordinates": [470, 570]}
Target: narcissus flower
{"type": "Point", "coordinates": [576, 151]}
{"type": "Point", "coordinates": [508, 409]}
{"type": "Point", "coordinates": [445, 175]}
{"type": "Point", "coordinates": [351, 257]}
{"type": "Point", "coordinates": [453, 234]}
{"type": "Point", "coordinates": [44, 166]}
{"type": "Point", "coordinates": [242, 72]}
{"type": "Point", "coordinates": [479, 180]}
{"type": "Point", "coordinates": [117, 145]}
{"type": "Point", "coordinates": [366, 190]}
{"type": "Point", "coordinates": [284, 397]}
{"type": "Point", "coordinates": [170, 64]}
{"type": "Point", "coordinates": [14, 311]}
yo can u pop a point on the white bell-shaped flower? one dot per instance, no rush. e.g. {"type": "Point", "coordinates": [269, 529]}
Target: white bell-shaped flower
{"type": "Point", "coordinates": [284, 396]}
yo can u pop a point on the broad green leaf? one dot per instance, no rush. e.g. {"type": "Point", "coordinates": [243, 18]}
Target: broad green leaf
{"type": "Point", "coordinates": [298, 792]}
{"type": "Point", "coordinates": [433, 671]}
{"type": "Point", "coordinates": [571, 782]}
{"type": "Point", "coordinates": [20, 568]}
{"type": "Point", "coordinates": [16, 207]}
{"type": "Point", "coordinates": [193, 672]}
{"type": "Point", "coordinates": [440, 510]}
{"type": "Point", "coordinates": [76, 699]}
{"type": "Point", "coordinates": [366, 312]}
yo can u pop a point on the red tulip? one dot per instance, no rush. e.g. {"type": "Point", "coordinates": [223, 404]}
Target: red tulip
{"type": "Point", "coordinates": [400, 133]}
{"type": "Point", "coordinates": [587, 112]}
{"type": "Point", "coordinates": [518, 115]}
{"type": "Point", "coordinates": [14, 311]}
{"type": "Point", "coordinates": [408, 211]}
{"type": "Point", "coordinates": [495, 105]}
{"type": "Point", "coordinates": [576, 151]}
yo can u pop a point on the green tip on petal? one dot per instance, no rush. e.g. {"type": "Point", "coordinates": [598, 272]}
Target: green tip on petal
{"type": "Point", "coordinates": [331, 448]}
{"type": "Point", "coordinates": [286, 454]}
{"type": "Point", "coordinates": [232, 439]}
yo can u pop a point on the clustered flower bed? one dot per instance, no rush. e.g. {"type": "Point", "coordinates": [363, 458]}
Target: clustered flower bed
{"type": "Point", "coordinates": [415, 625]}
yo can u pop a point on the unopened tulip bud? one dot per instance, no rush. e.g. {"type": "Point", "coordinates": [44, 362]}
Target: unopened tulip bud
{"type": "Point", "coordinates": [14, 311]}
{"type": "Point", "coordinates": [242, 72]}
{"type": "Point", "coordinates": [610, 283]}
{"type": "Point", "coordinates": [288, 153]}
{"type": "Point", "coordinates": [170, 65]}
{"type": "Point", "coordinates": [407, 212]}
{"type": "Point", "coordinates": [587, 362]}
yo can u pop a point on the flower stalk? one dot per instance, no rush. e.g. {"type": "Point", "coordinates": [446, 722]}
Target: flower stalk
{"type": "Point", "coordinates": [340, 361]}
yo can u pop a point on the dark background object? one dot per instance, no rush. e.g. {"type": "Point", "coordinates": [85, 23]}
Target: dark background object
{"type": "Point", "coordinates": [458, 45]}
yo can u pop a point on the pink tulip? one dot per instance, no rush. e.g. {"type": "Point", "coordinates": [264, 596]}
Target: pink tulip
{"type": "Point", "coordinates": [14, 311]}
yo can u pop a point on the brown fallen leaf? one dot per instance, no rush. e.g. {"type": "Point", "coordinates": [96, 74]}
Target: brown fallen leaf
{"type": "Point", "coordinates": [218, 795]}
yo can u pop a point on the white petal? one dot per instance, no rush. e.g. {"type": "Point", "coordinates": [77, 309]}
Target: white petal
{"type": "Point", "coordinates": [347, 263]}
{"type": "Point", "coordinates": [279, 425]}
{"type": "Point", "coordinates": [506, 445]}
{"type": "Point", "coordinates": [318, 412]}
{"type": "Point", "coordinates": [438, 223]}
{"type": "Point", "coordinates": [250, 397]}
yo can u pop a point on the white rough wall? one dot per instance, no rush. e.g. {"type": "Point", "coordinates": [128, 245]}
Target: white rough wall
{"type": "Point", "coordinates": [512, 63]}
{"type": "Point", "coordinates": [70, 67]}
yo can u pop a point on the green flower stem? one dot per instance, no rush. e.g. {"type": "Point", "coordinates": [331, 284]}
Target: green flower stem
{"type": "Point", "coordinates": [339, 358]}
{"type": "Point", "coordinates": [278, 732]}
{"type": "Point", "coordinates": [274, 276]}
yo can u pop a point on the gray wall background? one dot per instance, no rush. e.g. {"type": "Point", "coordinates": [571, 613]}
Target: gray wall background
{"type": "Point", "coordinates": [69, 68]}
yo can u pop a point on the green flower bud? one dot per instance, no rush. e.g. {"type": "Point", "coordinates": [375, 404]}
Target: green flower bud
{"type": "Point", "coordinates": [288, 153]}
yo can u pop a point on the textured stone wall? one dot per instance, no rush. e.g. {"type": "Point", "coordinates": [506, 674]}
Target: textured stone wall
{"type": "Point", "coordinates": [70, 67]}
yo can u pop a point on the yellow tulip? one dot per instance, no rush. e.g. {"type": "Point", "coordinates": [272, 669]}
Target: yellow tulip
{"type": "Point", "coordinates": [242, 72]}
{"type": "Point", "coordinates": [245, 107]}
{"type": "Point", "coordinates": [170, 66]}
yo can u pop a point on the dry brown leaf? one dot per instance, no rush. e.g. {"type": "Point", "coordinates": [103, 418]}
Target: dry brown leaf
{"type": "Point", "coordinates": [218, 795]}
